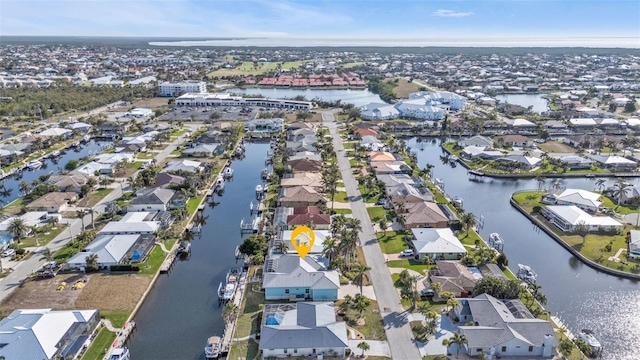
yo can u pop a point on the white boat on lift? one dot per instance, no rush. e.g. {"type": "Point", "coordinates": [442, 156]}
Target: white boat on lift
{"type": "Point", "coordinates": [227, 173]}
{"type": "Point", "coordinates": [213, 348]}
{"type": "Point", "coordinates": [589, 338]}
{"type": "Point", "coordinates": [120, 354]}
{"type": "Point", "coordinates": [526, 274]}
{"type": "Point", "coordinates": [35, 164]}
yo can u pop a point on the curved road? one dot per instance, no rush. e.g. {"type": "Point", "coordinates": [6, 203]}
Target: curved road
{"type": "Point", "coordinates": [395, 318]}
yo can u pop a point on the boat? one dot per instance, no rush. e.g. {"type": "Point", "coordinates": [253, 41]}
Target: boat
{"type": "Point", "coordinates": [35, 164]}
{"type": "Point", "coordinates": [120, 354]}
{"type": "Point", "coordinates": [184, 247]}
{"type": "Point", "coordinates": [526, 274]}
{"type": "Point", "coordinates": [227, 173]}
{"type": "Point", "coordinates": [227, 291]}
{"type": "Point", "coordinates": [495, 241]}
{"type": "Point", "coordinates": [86, 138]}
{"type": "Point", "coordinates": [55, 153]}
{"type": "Point", "coordinates": [590, 339]}
{"type": "Point", "coordinates": [264, 174]}
{"type": "Point", "coordinates": [458, 200]}
{"type": "Point", "coordinates": [453, 158]}
{"type": "Point", "coordinates": [259, 190]}
{"type": "Point", "coordinates": [75, 144]}
{"type": "Point", "coordinates": [219, 184]}
{"type": "Point", "coordinates": [213, 347]}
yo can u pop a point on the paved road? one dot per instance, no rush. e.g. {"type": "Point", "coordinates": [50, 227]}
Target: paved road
{"type": "Point", "coordinates": [35, 262]}
{"type": "Point", "coordinates": [396, 319]}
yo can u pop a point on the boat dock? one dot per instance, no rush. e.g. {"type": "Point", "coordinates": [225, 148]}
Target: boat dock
{"type": "Point", "coordinates": [229, 328]}
{"type": "Point", "coordinates": [560, 325]}
{"type": "Point", "coordinates": [168, 262]}
{"type": "Point", "coordinates": [121, 338]}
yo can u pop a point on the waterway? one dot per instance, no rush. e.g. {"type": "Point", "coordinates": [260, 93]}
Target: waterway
{"type": "Point", "coordinates": [538, 103]}
{"type": "Point", "coordinates": [353, 96]}
{"type": "Point", "coordinates": [579, 295]}
{"type": "Point", "coordinates": [12, 183]}
{"type": "Point", "coordinates": [182, 310]}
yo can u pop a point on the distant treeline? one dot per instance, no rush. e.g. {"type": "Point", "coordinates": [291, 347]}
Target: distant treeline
{"type": "Point", "coordinates": [142, 42]}
{"type": "Point", "coordinates": [28, 101]}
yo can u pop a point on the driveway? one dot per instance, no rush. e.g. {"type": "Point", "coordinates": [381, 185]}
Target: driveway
{"type": "Point", "coordinates": [376, 348]}
{"type": "Point", "coordinates": [398, 331]}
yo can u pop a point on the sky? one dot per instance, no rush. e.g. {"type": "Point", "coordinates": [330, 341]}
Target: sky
{"type": "Point", "coordinates": [617, 21]}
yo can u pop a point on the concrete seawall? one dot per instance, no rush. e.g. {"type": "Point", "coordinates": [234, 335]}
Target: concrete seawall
{"type": "Point", "coordinates": [573, 251]}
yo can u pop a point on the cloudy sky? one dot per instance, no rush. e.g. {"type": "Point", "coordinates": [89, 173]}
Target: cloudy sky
{"type": "Point", "coordinates": [353, 19]}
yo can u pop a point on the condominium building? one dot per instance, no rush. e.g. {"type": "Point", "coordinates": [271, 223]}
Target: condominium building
{"type": "Point", "coordinates": [177, 89]}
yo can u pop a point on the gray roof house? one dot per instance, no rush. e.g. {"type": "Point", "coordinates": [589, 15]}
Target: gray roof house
{"type": "Point", "coordinates": [478, 140]}
{"type": "Point", "coordinates": [289, 276]}
{"type": "Point", "coordinates": [46, 334]}
{"type": "Point", "coordinates": [301, 330]}
{"type": "Point", "coordinates": [153, 199]}
{"type": "Point", "coordinates": [110, 249]}
{"type": "Point", "coordinates": [504, 328]}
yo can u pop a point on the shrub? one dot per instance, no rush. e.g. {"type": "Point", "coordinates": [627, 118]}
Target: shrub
{"type": "Point", "coordinates": [536, 209]}
{"type": "Point", "coordinates": [124, 267]}
{"type": "Point", "coordinates": [344, 280]}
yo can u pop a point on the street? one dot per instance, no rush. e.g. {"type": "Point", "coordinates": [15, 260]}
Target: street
{"type": "Point", "coordinates": [395, 318]}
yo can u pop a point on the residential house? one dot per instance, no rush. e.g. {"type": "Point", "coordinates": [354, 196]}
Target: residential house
{"type": "Point", "coordinates": [521, 161]}
{"type": "Point", "coordinates": [390, 167]}
{"type": "Point", "coordinates": [477, 140]}
{"type": "Point", "coordinates": [94, 168]}
{"type": "Point", "coordinates": [53, 202]}
{"type": "Point", "coordinates": [292, 277]}
{"type": "Point", "coordinates": [371, 143]}
{"type": "Point", "coordinates": [264, 125]}
{"type": "Point", "coordinates": [300, 196]}
{"type": "Point", "coordinates": [424, 214]}
{"type": "Point", "coordinates": [471, 152]}
{"type": "Point", "coordinates": [585, 200]}
{"type": "Point", "coordinates": [362, 132]}
{"type": "Point", "coordinates": [80, 127]}
{"type": "Point", "coordinates": [306, 144]}
{"type": "Point", "coordinates": [379, 111]}
{"type": "Point", "coordinates": [203, 150]}
{"type": "Point", "coordinates": [45, 334]}
{"type": "Point", "coordinates": [111, 250]}
{"type": "Point", "coordinates": [520, 124]}
{"type": "Point", "coordinates": [71, 182]}
{"type": "Point", "coordinates": [155, 199]}
{"type": "Point", "coordinates": [316, 248]}
{"type": "Point", "coordinates": [311, 179]}
{"type": "Point", "coordinates": [309, 215]}
{"type": "Point", "coordinates": [566, 218]}
{"type": "Point", "coordinates": [515, 140]}
{"type": "Point", "coordinates": [454, 277]}
{"type": "Point", "coordinates": [573, 162]}
{"type": "Point", "coordinates": [437, 244]}
{"type": "Point", "coordinates": [614, 163]}
{"type": "Point", "coordinates": [504, 328]}
{"type": "Point", "coordinates": [630, 195]}
{"type": "Point", "coordinates": [8, 157]}
{"type": "Point", "coordinates": [56, 133]}
{"type": "Point", "coordinates": [304, 165]}
{"type": "Point", "coordinates": [183, 165]}
{"type": "Point", "coordinates": [313, 325]}
{"type": "Point", "coordinates": [634, 243]}
{"type": "Point", "coordinates": [298, 135]}
{"type": "Point", "coordinates": [165, 180]}
{"type": "Point", "coordinates": [133, 223]}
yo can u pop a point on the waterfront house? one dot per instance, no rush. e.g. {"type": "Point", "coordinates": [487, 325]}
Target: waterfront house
{"type": "Point", "coordinates": [477, 140]}
{"type": "Point", "coordinates": [293, 278]}
{"type": "Point", "coordinates": [504, 328]}
{"type": "Point", "coordinates": [471, 152]}
{"type": "Point", "coordinates": [166, 180]}
{"type": "Point", "coordinates": [585, 200]}
{"type": "Point", "coordinates": [371, 143]}
{"type": "Point", "coordinates": [437, 244]}
{"type": "Point", "coordinates": [133, 223]}
{"type": "Point", "coordinates": [183, 165]}
{"type": "Point", "coordinates": [308, 215]}
{"type": "Point", "coordinates": [573, 162]}
{"type": "Point", "coordinates": [46, 334]}
{"type": "Point", "coordinates": [311, 179]}
{"type": "Point", "coordinates": [56, 133]}
{"type": "Point", "coordinates": [71, 182]}
{"type": "Point", "coordinates": [566, 218]}
{"type": "Point", "coordinates": [305, 329]}
{"type": "Point", "coordinates": [8, 157]}
{"type": "Point", "coordinates": [390, 167]}
{"type": "Point", "coordinates": [515, 140]}
{"type": "Point", "coordinates": [302, 134]}
{"type": "Point", "coordinates": [304, 165]}
{"type": "Point", "coordinates": [264, 125]}
{"type": "Point", "coordinates": [630, 195]}
{"type": "Point", "coordinates": [520, 124]}
{"type": "Point", "coordinates": [424, 214]}
{"type": "Point", "coordinates": [305, 155]}
{"type": "Point", "coordinates": [379, 111]}
{"type": "Point", "coordinates": [419, 109]}
{"type": "Point", "coordinates": [203, 150]}
{"type": "Point", "coordinates": [110, 249]}
{"type": "Point", "coordinates": [614, 163]}
{"type": "Point", "coordinates": [80, 127]}
{"type": "Point", "coordinates": [454, 277]}
{"type": "Point", "coordinates": [381, 156]}
{"type": "Point", "coordinates": [634, 243]}
{"type": "Point", "coordinates": [306, 144]}
{"type": "Point", "coordinates": [300, 196]}
{"type": "Point", "coordinates": [155, 199]}
{"type": "Point", "coordinates": [316, 248]}
{"type": "Point", "coordinates": [53, 202]}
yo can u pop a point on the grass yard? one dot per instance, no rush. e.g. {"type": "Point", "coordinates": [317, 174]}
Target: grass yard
{"type": "Point", "coordinates": [352, 64]}
{"type": "Point", "coordinates": [146, 155]}
{"type": "Point", "coordinates": [556, 147]}
{"type": "Point", "coordinates": [622, 209]}
{"type": "Point", "coordinates": [97, 349]}
{"type": "Point", "coordinates": [93, 198]}
{"type": "Point", "coordinates": [376, 213]}
{"type": "Point", "coordinates": [192, 204]}
{"type": "Point", "coordinates": [343, 211]}
{"type": "Point", "coordinates": [364, 191]}
{"type": "Point", "coordinates": [392, 242]}
{"type": "Point", "coordinates": [14, 208]}
{"type": "Point", "coordinates": [117, 317]}
{"type": "Point", "coordinates": [410, 264]}
{"type": "Point", "coordinates": [43, 239]}
{"type": "Point", "coordinates": [155, 259]}
{"type": "Point", "coordinates": [404, 88]}
{"type": "Point", "coordinates": [373, 328]}
{"type": "Point", "coordinates": [246, 349]}
{"type": "Point", "coordinates": [247, 68]}
{"type": "Point", "coordinates": [134, 165]}
{"type": "Point", "coordinates": [341, 197]}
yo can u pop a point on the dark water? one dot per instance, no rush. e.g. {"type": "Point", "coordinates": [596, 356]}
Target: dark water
{"type": "Point", "coordinates": [580, 296]}
{"type": "Point", "coordinates": [50, 165]}
{"type": "Point", "coordinates": [182, 310]}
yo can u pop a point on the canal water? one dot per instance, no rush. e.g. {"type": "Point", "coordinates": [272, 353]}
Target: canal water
{"type": "Point", "coordinates": [12, 183]}
{"type": "Point", "coordinates": [580, 296]}
{"type": "Point", "coordinates": [536, 101]}
{"type": "Point", "coordinates": [182, 309]}
{"type": "Point", "coordinates": [353, 96]}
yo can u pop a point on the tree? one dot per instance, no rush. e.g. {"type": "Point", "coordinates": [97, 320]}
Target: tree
{"type": "Point", "coordinates": [468, 220]}
{"type": "Point", "coordinates": [303, 115]}
{"type": "Point", "coordinates": [364, 346]}
{"type": "Point", "coordinates": [25, 187]}
{"type": "Point", "coordinates": [360, 303]}
{"type": "Point", "coordinates": [459, 339]}
{"type": "Point", "coordinates": [48, 255]}
{"type": "Point", "coordinates": [229, 312]}
{"type": "Point", "coordinates": [361, 275]}
{"type": "Point", "coordinates": [281, 247]}
{"type": "Point", "coordinates": [72, 164]}
{"type": "Point", "coordinates": [91, 262]}
{"type": "Point", "coordinates": [566, 347]}
{"type": "Point", "coordinates": [581, 229]}
{"type": "Point", "coordinates": [36, 230]}
{"type": "Point", "coordinates": [452, 303]}
{"type": "Point", "coordinates": [600, 184]}
{"type": "Point", "coordinates": [630, 107]}
{"type": "Point", "coordinates": [498, 288]}
{"type": "Point", "coordinates": [254, 244]}
{"type": "Point", "coordinates": [620, 190]}
{"type": "Point", "coordinates": [382, 223]}
{"type": "Point", "coordinates": [330, 248]}
{"type": "Point", "coordinates": [17, 228]}
{"type": "Point", "coordinates": [80, 214]}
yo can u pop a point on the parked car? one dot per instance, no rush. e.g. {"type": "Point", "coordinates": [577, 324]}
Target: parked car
{"type": "Point", "coordinates": [407, 252]}
{"type": "Point", "coordinates": [8, 253]}
{"type": "Point", "coordinates": [427, 293]}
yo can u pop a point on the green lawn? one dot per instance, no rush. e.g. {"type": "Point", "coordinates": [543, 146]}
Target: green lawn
{"type": "Point", "coordinates": [14, 207]}
{"type": "Point", "coordinates": [365, 195]}
{"type": "Point", "coordinates": [248, 320]}
{"type": "Point", "coordinates": [622, 209]}
{"type": "Point", "coordinates": [392, 243]}
{"type": "Point", "coordinates": [247, 349]}
{"type": "Point", "coordinates": [117, 317]}
{"type": "Point", "coordinates": [376, 213]}
{"type": "Point", "coordinates": [192, 204]}
{"type": "Point", "coordinates": [411, 264]}
{"type": "Point", "coordinates": [43, 239]}
{"type": "Point", "coordinates": [343, 211]}
{"type": "Point", "coordinates": [341, 197]}
{"type": "Point", "coordinates": [373, 329]}
{"type": "Point", "coordinates": [134, 165]}
{"type": "Point", "coordinates": [93, 198]}
{"type": "Point", "coordinates": [146, 155]}
{"type": "Point", "coordinates": [97, 349]}
{"type": "Point", "coordinates": [155, 259]}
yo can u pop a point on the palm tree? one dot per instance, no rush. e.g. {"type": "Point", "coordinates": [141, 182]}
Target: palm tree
{"type": "Point", "coordinates": [452, 303]}
{"type": "Point", "coordinates": [364, 346]}
{"type": "Point", "coordinates": [330, 248]}
{"type": "Point", "coordinates": [459, 339]}
{"type": "Point", "coordinates": [468, 220]}
{"type": "Point", "coordinates": [80, 214]}
{"type": "Point", "coordinates": [281, 247]}
{"type": "Point", "coordinates": [48, 255]}
{"type": "Point", "coordinates": [229, 312]}
{"type": "Point", "coordinates": [360, 303]}
{"type": "Point", "coordinates": [25, 187]}
{"type": "Point", "coordinates": [620, 190]}
{"type": "Point", "coordinates": [53, 221]}
{"type": "Point", "coordinates": [382, 223]}
{"type": "Point", "coordinates": [35, 230]}
{"type": "Point", "coordinates": [361, 275]}
{"type": "Point", "coordinates": [92, 212]}
{"type": "Point", "coordinates": [92, 262]}
{"type": "Point", "coordinates": [17, 228]}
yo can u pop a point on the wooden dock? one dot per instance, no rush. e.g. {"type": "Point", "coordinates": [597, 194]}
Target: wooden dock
{"type": "Point", "coordinates": [230, 327]}
{"type": "Point", "coordinates": [168, 262]}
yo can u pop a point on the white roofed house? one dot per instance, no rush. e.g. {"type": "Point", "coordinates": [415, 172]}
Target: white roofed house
{"type": "Point", "coordinates": [305, 329]}
{"type": "Point", "coordinates": [520, 161]}
{"type": "Point", "coordinates": [567, 218]}
{"type": "Point", "coordinates": [184, 165]}
{"type": "Point", "coordinates": [133, 223]}
{"type": "Point", "coordinates": [153, 199]}
{"type": "Point", "coordinates": [419, 109]}
{"type": "Point", "coordinates": [477, 140]}
{"type": "Point", "coordinates": [437, 244]}
{"type": "Point", "coordinates": [521, 123]}
{"type": "Point", "coordinates": [634, 243]}
{"type": "Point", "coordinates": [378, 111]}
{"type": "Point", "coordinates": [614, 163]}
{"type": "Point", "coordinates": [44, 334]}
{"type": "Point", "coordinates": [264, 125]}
{"type": "Point", "coordinates": [56, 133]}
{"type": "Point", "coordinates": [504, 328]}
{"type": "Point", "coordinates": [371, 143]}
{"type": "Point", "coordinates": [80, 127]}
{"type": "Point", "coordinates": [585, 200]}
{"type": "Point", "coordinates": [110, 249]}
